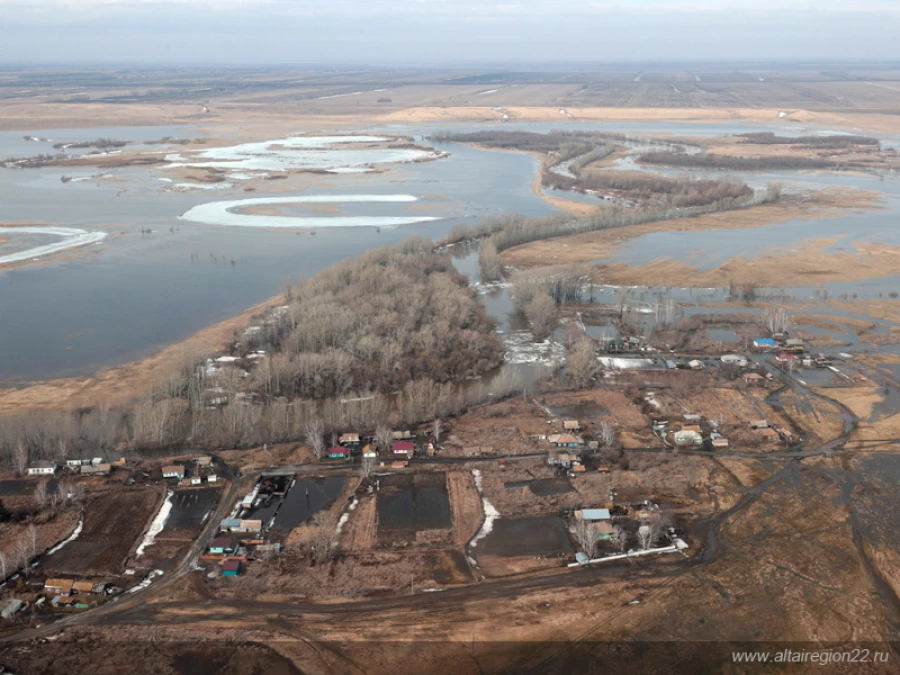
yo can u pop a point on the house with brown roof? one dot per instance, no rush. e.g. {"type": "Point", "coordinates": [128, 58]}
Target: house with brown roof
{"type": "Point", "coordinates": [83, 586]}
{"type": "Point", "coordinates": [59, 586]}
{"type": "Point", "coordinates": [572, 425]}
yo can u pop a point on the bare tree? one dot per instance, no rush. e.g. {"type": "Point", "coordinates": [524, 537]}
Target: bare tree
{"type": "Point", "coordinates": [31, 538]}
{"type": "Point", "coordinates": [643, 535]}
{"type": "Point", "coordinates": [4, 567]}
{"type": "Point", "coordinates": [584, 536]}
{"type": "Point", "coordinates": [541, 313]}
{"type": "Point", "coordinates": [20, 457]}
{"type": "Point", "coordinates": [40, 494]}
{"type": "Point", "coordinates": [315, 436]}
{"type": "Point", "coordinates": [324, 539]}
{"type": "Point", "coordinates": [367, 464]}
{"type": "Point", "coordinates": [607, 434]}
{"type": "Point", "coordinates": [581, 364]}
{"type": "Point", "coordinates": [384, 438]}
{"type": "Point", "coordinates": [436, 428]}
{"type": "Point", "coordinates": [777, 318]}
{"type": "Point", "coordinates": [619, 538]}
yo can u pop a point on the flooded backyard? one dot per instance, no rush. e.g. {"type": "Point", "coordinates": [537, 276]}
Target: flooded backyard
{"type": "Point", "coordinates": [413, 502]}
{"type": "Point", "coordinates": [531, 536]}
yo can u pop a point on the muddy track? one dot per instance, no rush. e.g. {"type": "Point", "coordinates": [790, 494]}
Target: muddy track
{"type": "Point", "coordinates": [137, 611]}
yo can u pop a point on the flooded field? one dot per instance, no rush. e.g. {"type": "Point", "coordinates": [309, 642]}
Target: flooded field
{"type": "Point", "coordinates": [413, 502]}
{"type": "Point", "coordinates": [190, 509]}
{"type": "Point", "coordinates": [174, 244]}
{"type": "Point", "coordinates": [306, 498]}
{"type": "Point", "coordinates": [544, 487]}
{"type": "Point", "coordinates": [531, 536]}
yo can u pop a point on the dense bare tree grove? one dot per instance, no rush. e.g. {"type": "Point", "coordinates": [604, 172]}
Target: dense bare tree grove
{"type": "Point", "coordinates": [732, 163]}
{"type": "Point", "coordinates": [830, 142]}
{"type": "Point", "coordinates": [648, 188]}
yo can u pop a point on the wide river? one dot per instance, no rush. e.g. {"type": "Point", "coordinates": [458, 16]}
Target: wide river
{"type": "Point", "coordinates": [157, 278]}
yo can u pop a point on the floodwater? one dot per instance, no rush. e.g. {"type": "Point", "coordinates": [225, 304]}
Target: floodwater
{"type": "Point", "coordinates": [157, 278]}
{"type": "Point", "coordinates": [306, 498]}
{"type": "Point", "coordinates": [531, 536]}
{"type": "Point", "coordinates": [413, 502]}
{"type": "Point", "coordinates": [543, 487]}
{"type": "Point", "coordinates": [191, 508]}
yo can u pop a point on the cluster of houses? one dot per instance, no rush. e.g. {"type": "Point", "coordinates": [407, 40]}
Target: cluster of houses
{"type": "Point", "coordinates": [771, 434]}
{"type": "Point", "coordinates": [692, 430]}
{"type": "Point", "coordinates": [84, 467]}
{"type": "Point", "coordinates": [192, 472]}
{"type": "Point", "coordinates": [75, 592]}
{"type": "Point", "coordinates": [403, 447]}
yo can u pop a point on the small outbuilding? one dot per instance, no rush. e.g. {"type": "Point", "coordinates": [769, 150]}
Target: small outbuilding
{"type": "Point", "coordinates": [765, 343]}
{"type": "Point", "coordinates": [232, 568]}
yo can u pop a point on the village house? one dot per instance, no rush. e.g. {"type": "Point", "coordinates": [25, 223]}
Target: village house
{"type": "Point", "coordinates": [73, 463]}
{"type": "Point", "coordinates": [349, 439]}
{"type": "Point", "coordinates": [338, 452]}
{"type": "Point", "coordinates": [98, 470]}
{"type": "Point", "coordinates": [571, 425]}
{"type": "Point", "coordinates": [173, 471]}
{"type": "Point", "coordinates": [80, 587]}
{"type": "Point", "coordinates": [592, 515]}
{"type": "Point", "coordinates": [754, 379]}
{"type": "Point", "coordinates": [212, 478]}
{"type": "Point", "coordinates": [205, 460]}
{"type": "Point", "coordinates": [764, 343]}
{"type": "Point", "coordinates": [602, 530]}
{"type": "Point", "coordinates": [404, 448]}
{"type": "Point", "coordinates": [565, 440]}
{"type": "Point", "coordinates": [59, 586]}
{"type": "Point", "coordinates": [42, 468]}
{"type": "Point", "coordinates": [563, 459]}
{"type": "Point", "coordinates": [369, 451]}
{"type": "Point", "coordinates": [734, 360]}
{"type": "Point", "coordinates": [401, 435]}
{"type": "Point", "coordinates": [688, 437]}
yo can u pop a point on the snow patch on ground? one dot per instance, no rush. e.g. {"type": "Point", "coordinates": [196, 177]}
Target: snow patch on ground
{"type": "Point", "coordinates": [147, 580]}
{"type": "Point", "coordinates": [345, 517]}
{"type": "Point", "coordinates": [72, 537]}
{"type": "Point", "coordinates": [491, 514]}
{"type": "Point", "coordinates": [156, 526]}
{"type": "Point", "coordinates": [71, 238]}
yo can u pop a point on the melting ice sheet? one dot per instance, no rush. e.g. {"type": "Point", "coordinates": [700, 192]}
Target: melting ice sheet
{"type": "Point", "coordinates": [301, 153]}
{"type": "Point", "coordinates": [223, 213]}
{"type": "Point", "coordinates": [71, 237]}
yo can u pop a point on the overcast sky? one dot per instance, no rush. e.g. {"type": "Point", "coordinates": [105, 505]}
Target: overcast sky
{"type": "Point", "coordinates": [434, 32]}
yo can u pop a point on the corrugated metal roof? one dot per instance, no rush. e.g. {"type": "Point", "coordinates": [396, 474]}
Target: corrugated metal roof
{"type": "Point", "coordinates": [595, 514]}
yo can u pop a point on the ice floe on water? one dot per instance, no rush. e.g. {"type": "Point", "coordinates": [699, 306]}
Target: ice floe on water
{"type": "Point", "coordinates": [71, 237]}
{"type": "Point", "coordinates": [225, 213]}
{"type": "Point", "coordinates": [521, 348]}
{"type": "Point", "coordinates": [298, 153]}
